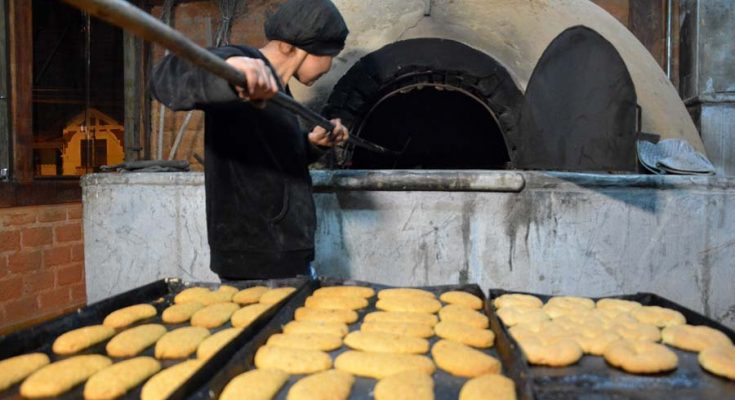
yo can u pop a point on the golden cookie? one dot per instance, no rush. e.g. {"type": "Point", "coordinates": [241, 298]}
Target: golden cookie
{"type": "Point", "coordinates": [719, 360]}
{"type": "Point", "coordinates": [338, 291]}
{"type": "Point", "coordinates": [129, 315]}
{"type": "Point", "coordinates": [398, 328]}
{"type": "Point", "coordinates": [117, 379]}
{"type": "Point", "coordinates": [192, 294]}
{"type": "Point", "coordinates": [134, 340]}
{"type": "Point", "coordinates": [521, 315]}
{"type": "Point", "coordinates": [694, 338]}
{"type": "Point", "coordinates": [393, 293]}
{"type": "Point", "coordinates": [636, 330]}
{"type": "Point", "coordinates": [180, 343]}
{"type": "Point", "coordinates": [617, 304]}
{"type": "Point", "coordinates": [551, 351]}
{"type": "Point", "coordinates": [250, 295]}
{"type": "Point", "coordinates": [517, 300]}
{"type": "Point", "coordinates": [640, 356]}
{"type": "Point", "coordinates": [461, 360]}
{"type": "Point", "coordinates": [407, 385]}
{"type": "Point", "coordinates": [409, 304]}
{"type": "Point", "coordinates": [180, 313]}
{"type": "Point", "coordinates": [212, 344]}
{"type": "Point", "coordinates": [381, 365]}
{"type": "Point", "coordinates": [572, 302]}
{"type": "Point", "coordinates": [315, 314]}
{"type": "Point", "coordinates": [82, 338]}
{"type": "Point", "coordinates": [378, 342]}
{"type": "Point", "coordinates": [59, 377]}
{"type": "Point", "coordinates": [491, 386]}
{"type": "Point", "coordinates": [463, 315]}
{"type": "Point", "coordinates": [334, 328]}
{"type": "Point", "coordinates": [306, 341]}
{"type": "Point", "coordinates": [548, 328]}
{"type": "Point", "coordinates": [15, 369]}
{"type": "Point", "coordinates": [257, 384]}
{"type": "Point", "coordinates": [336, 303]}
{"type": "Point", "coordinates": [293, 361]}
{"type": "Point", "coordinates": [461, 298]}
{"type": "Point", "coordinates": [162, 384]}
{"type": "Point", "coordinates": [466, 334]}
{"type": "Point", "coordinates": [658, 316]}
{"type": "Point", "coordinates": [593, 339]}
{"type": "Point", "coordinates": [411, 317]}
{"type": "Point", "coordinates": [214, 315]}
{"type": "Point", "coordinates": [274, 296]}
{"type": "Point", "coordinates": [332, 385]}
{"type": "Point", "coordinates": [245, 316]}
{"type": "Point", "coordinates": [230, 290]}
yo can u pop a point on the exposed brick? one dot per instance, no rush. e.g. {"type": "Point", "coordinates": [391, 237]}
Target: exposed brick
{"type": "Point", "coordinates": [53, 300]}
{"type": "Point", "coordinates": [77, 252]}
{"type": "Point", "coordinates": [74, 212]}
{"type": "Point", "coordinates": [52, 214]}
{"type": "Point", "coordinates": [71, 274]}
{"type": "Point", "coordinates": [21, 309]}
{"type": "Point", "coordinates": [57, 256]}
{"type": "Point", "coordinates": [18, 218]}
{"type": "Point", "coordinates": [9, 241]}
{"type": "Point", "coordinates": [3, 266]}
{"type": "Point", "coordinates": [25, 261]}
{"type": "Point", "coordinates": [78, 294]}
{"type": "Point", "coordinates": [11, 288]}
{"type": "Point", "coordinates": [32, 237]}
{"type": "Point", "coordinates": [68, 233]}
{"type": "Point", "coordinates": [34, 282]}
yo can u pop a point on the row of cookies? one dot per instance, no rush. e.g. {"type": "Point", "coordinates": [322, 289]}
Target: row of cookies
{"type": "Point", "coordinates": [35, 370]}
{"type": "Point", "coordinates": [624, 332]}
{"type": "Point", "coordinates": [389, 346]}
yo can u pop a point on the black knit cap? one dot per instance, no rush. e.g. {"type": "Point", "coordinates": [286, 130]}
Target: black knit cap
{"type": "Point", "coordinates": [315, 26]}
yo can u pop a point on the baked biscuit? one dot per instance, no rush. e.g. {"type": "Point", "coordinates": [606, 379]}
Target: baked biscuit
{"type": "Point", "coordinates": [15, 369]}
{"type": "Point", "coordinates": [131, 342]}
{"type": "Point", "coordinates": [571, 302]}
{"type": "Point", "coordinates": [463, 315]}
{"type": "Point", "coordinates": [465, 334]}
{"type": "Point", "coordinates": [332, 385]}
{"type": "Point", "coordinates": [593, 339]}
{"type": "Point", "coordinates": [409, 304]}
{"type": "Point", "coordinates": [293, 361]}
{"type": "Point", "coordinates": [306, 341]}
{"type": "Point", "coordinates": [551, 351]}
{"type": "Point", "coordinates": [381, 365]}
{"type": "Point", "coordinates": [212, 344]}
{"type": "Point", "coordinates": [398, 328]}
{"type": "Point", "coordinates": [334, 328]}
{"type": "Point", "coordinates": [227, 289]}
{"type": "Point", "coordinates": [411, 317]}
{"type": "Point", "coordinates": [393, 293]}
{"type": "Point", "coordinates": [250, 295]}
{"type": "Point", "coordinates": [617, 304]}
{"type": "Point", "coordinates": [315, 314]}
{"type": "Point", "coordinates": [640, 356]}
{"type": "Point", "coordinates": [491, 386]}
{"type": "Point", "coordinates": [719, 360]}
{"type": "Point", "coordinates": [180, 313]}
{"type": "Point", "coordinates": [517, 300]}
{"type": "Point", "coordinates": [256, 384]}
{"type": "Point", "coordinates": [659, 316]}
{"type": "Point", "coordinates": [214, 315]}
{"type": "Point", "coordinates": [180, 343]}
{"type": "Point", "coordinates": [275, 295]}
{"type": "Point", "coordinates": [162, 384]}
{"type": "Point", "coordinates": [407, 385]}
{"type": "Point", "coordinates": [192, 294]}
{"type": "Point", "coordinates": [117, 379]}
{"type": "Point", "coordinates": [461, 298]}
{"type": "Point", "coordinates": [82, 338]}
{"type": "Point", "coordinates": [338, 291]}
{"type": "Point", "coordinates": [462, 360]}
{"type": "Point", "coordinates": [378, 342]}
{"type": "Point", "coordinates": [636, 331]}
{"type": "Point", "coordinates": [59, 377]}
{"type": "Point", "coordinates": [694, 338]}
{"type": "Point", "coordinates": [245, 316]}
{"type": "Point", "coordinates": [521, 315]}
{"type": "Point", "coordinates": [129, 315]}
{"type": "Point", "coordinates": [336, 303]}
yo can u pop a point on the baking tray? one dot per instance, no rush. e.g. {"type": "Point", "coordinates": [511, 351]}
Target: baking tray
{"type": "Point", "coordinates": [446, 386]}
{"type": "Point", "coordinates": [592, 378]}
{"type": "Point", "coordinates": [160, 294]}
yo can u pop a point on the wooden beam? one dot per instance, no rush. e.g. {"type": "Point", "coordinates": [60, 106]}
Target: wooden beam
{"type": "Point", "coordinates": [133, 52]}
{"type": "Point", "coordinates": [4, 92]}
{"type": "Point", "coordinates": [647, 21]}
{"type": "Point", "coordinates": [21, 97]}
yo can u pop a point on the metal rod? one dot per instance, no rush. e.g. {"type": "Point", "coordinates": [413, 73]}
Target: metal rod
{"type": "Point", "coordinates": [166, 10]}
{"type": "Point", "coordinates": [180, 135]}
{"type": "Point", "coordinates": [669, 34]}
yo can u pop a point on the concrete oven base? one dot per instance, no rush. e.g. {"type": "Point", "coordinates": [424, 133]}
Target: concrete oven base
{"type": "Point", "coordinates": [577, 234]}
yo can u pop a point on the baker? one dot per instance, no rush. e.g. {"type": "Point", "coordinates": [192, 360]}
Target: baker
{"type": "Point", "coordinates": [261, 218]}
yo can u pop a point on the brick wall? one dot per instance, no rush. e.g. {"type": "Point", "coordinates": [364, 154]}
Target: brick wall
{"type": "Point", "coordinates": [41, 263]}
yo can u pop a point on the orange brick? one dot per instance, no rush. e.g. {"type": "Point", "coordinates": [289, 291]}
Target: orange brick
{"type": "Point", "coordinates": [78, 294]}
{"type": "Point", "coordinates": [9, 241]}
{"type": "Point", "coordinates": [52, 214]}
{"type": "Point", "coordinates": [21, 309]}
{"type": "Point", "coordinates": [74, 212]}
{"type": "Point", "coordinates": [68, 232]}
{"type": "Point", "coordinates": [69, 275]}
{"type": "Point", "coordinates": [57, 256]}
{"type": "Point", "coordinates": [32, 237]}
{"type": "Point", "coordinates": [11, 288]}
{"type": "Point", "coordinates": [3, 266]}
{"type": "Point", "coordinates": [34, 282]}
{"type": "Point", "coordinates": [53, 300]}
{"type": "Point", "coordinates": [77, 252]}
{"type": "Point", "coordinates": [19, 218]}
{"type": "Point", "coordinates": [25, 261]}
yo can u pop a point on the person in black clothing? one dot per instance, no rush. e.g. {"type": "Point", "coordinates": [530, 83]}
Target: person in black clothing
{"type": "Point", "coordinates": [261, 218]}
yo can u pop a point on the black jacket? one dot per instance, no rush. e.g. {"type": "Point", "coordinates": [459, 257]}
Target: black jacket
{"type": "Point", "coordinates": [260, 211]}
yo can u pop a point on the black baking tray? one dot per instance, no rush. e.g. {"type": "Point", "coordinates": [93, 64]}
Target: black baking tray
{"type": "Point", "coordinates": [160, 294]}
{"type": "Point", "coordinates": [446, 386]}
{"type": "Point", "coordinates": [592, 378]}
